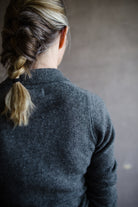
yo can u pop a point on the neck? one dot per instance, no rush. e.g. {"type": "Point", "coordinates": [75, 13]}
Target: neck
{"type": "Point", "coordinates": [39, 65]}
{"type": "Point", "coordinates": [48, 59]}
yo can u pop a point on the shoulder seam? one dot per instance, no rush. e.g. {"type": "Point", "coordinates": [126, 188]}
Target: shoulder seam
{"type": "Point", "coordinates": [92, 131]}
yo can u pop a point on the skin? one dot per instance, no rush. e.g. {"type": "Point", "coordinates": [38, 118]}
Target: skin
{"type": "Point", "coordinates": [54, 55]}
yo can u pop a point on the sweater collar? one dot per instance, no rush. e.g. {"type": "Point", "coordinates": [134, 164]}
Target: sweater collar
{"type": "Point", "coordinates": [42, 75]}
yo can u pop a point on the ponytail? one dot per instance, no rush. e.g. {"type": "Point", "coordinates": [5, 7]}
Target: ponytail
{"type": "Point", "coordinates": [18, 101]}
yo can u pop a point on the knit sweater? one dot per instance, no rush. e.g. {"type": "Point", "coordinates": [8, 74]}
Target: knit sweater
{"type": "Point", "coordinates": [65, 156]}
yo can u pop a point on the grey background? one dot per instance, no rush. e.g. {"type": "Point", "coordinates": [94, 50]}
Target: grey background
{"type": "Point", "coordinates": [103, 58]}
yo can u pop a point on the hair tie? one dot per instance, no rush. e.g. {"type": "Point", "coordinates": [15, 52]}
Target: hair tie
{"type": "Point", "coordinates": [15, 80]}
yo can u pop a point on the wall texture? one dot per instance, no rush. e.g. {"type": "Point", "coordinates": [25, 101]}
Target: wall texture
{"type": "Point", "coordinates": [103, 58]}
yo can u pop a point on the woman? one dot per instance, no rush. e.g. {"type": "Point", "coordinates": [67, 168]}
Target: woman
{"type": "Point", "coordinates": [56, 139]}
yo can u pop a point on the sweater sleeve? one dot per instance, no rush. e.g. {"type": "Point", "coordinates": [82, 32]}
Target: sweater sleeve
{"type": "Point", "coordinates": [101, 176]}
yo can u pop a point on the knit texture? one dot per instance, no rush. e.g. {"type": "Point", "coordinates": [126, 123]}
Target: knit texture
{"type": "Point", "coordinates": [65, 156]}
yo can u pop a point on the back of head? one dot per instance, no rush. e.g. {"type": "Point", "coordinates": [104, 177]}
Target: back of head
{"type": "Point", "coordinates": [30, 27]}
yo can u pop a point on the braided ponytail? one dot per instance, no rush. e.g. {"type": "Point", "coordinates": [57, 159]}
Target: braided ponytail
{"type": "Point", "coordinates": [30, 27]}
{"type": "Point", "coordinates": [18, 101]}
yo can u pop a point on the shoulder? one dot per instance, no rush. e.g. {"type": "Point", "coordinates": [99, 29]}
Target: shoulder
{"type": "Point", "coordinates": [101, 122]}
{"type": "Point", "coordinates": [98, 106]}
{"type": "Point", "coordinates": [98, 109]}
{"type": "Point", "coordinates": [94, 102]}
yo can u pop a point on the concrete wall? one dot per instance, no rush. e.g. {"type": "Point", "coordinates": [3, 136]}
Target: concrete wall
{"type": "Point", "coordinates": [103, 58]}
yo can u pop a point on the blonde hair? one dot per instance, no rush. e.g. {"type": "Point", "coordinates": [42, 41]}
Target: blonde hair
{"type": "Point", "coordinates": [30, 26]}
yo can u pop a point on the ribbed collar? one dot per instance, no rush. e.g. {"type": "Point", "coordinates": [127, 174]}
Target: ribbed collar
{"type": "Point", "coordinates": [42, 75]}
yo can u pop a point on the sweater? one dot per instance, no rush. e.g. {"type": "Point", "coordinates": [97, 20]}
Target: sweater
{"type": "Point", "coordinates": [65, 156]}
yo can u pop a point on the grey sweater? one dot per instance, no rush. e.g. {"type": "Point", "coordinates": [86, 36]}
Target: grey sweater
{"type": "Point", "coordinates": [65, 156]}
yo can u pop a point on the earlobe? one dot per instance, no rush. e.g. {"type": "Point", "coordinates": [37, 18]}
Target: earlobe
{"type": "Point", "coordinates": [63, 37]}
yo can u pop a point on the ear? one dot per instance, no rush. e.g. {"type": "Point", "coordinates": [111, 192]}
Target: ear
{"type": "Point", "coordinates": [63, 34]}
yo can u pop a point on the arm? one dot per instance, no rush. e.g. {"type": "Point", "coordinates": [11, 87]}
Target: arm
{"type": "Point", "coordinates": [101, 174]}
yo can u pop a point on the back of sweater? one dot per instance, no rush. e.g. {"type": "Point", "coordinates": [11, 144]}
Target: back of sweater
{"type": "Point", "coordinates": [64, 157]}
